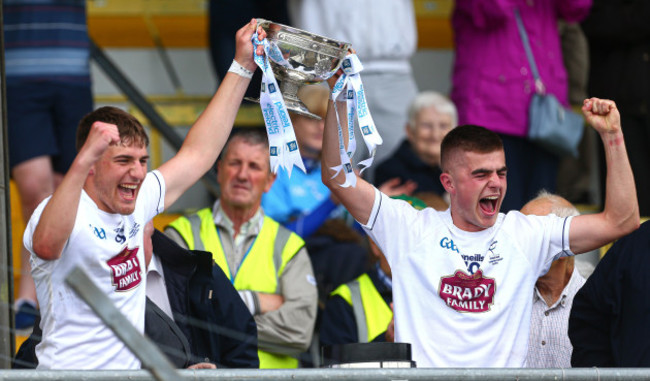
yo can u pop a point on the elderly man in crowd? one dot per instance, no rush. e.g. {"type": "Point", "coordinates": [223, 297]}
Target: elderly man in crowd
{"type": "Point", "coordinates": [266, 263]}
{"type": "Point", "coordinates": [549, 345]}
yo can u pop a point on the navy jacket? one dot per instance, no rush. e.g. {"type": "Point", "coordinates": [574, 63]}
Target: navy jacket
{"type": "Point", "coordinates": [608, 326]}
{"type": "Point", "coordinates": [206, 307]}
{"type": "Point", "coordinates": [406, 165]}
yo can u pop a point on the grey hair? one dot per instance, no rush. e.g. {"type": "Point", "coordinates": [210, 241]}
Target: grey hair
{"type": "Point", "coordinates": [433, 99]}
{"type": "Point", "coordinates": [557, 208]}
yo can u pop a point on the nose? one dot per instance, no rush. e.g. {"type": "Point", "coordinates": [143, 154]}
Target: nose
{"type": "Point", "coordinates": [138, 170]}
{"type": "Point", "coordinates": [494, 180]}
{"type": "Point", "coordinates": [242, 172]}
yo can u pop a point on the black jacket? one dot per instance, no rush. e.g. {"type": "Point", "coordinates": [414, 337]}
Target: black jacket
{"type": "Point", "coordinates": [206, 307]}
{"type": "Point", "coordinates": [211, 322]}
{"type": "Point", "coordinates": [608, 325]}
{"type": "Point", "coordinates": [619, 44]}
{"type": "Point", "coordinates": [406, 165]}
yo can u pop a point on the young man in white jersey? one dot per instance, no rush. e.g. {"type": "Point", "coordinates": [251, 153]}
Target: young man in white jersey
{"type": "Point", "coordinates": [463, 279]}
{"type": "Point", "coordinates": [95, 220]}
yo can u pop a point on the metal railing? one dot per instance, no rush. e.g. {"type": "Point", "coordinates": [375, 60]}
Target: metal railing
{"type": "Point", "coordinates": [465, 374]}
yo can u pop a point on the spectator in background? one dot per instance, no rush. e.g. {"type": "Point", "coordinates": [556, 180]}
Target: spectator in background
{"type": "Point", "coordinates": [493, 84]}
{"type": "Point", "coordinates": [619, 46]}
{"type": "Point", "coordinates": [48, 92]}
{"type": "Point", "coordinates": [549, 345]}
{"type": "Point", "coordinates": [384, 35]}
{"type": "Point", "coordinates": [430, 117]}
{"type": "Point", "coordinates": [608, 326]}
{"type": "Point", "coordinates": [266, 263]}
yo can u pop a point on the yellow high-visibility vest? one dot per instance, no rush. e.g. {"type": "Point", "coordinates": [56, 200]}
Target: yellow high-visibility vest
{"type": "Point", "coordinates": [371, 312]}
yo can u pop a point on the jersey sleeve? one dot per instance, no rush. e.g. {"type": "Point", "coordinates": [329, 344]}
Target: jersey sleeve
{"type": "Point", "coordinates": [31, 224]}
{"type": "Point", "coordinates": [152, 195]}
{"type": "Point", "coordinates": [545, 239]}
{"type": "Point", "coordinates": [394, 226]}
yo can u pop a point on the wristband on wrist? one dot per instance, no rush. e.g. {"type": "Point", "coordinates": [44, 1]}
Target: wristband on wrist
{"type": "Point", "coordinates": [241, 71]}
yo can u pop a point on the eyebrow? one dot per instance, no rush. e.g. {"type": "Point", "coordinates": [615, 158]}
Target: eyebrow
{"type": "Point", "coordinates": [130, 157]}
{"type": "Point", "coordinates": [485, 170]}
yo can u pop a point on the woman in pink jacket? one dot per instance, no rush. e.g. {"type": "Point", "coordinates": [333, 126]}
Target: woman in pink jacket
{"type": "Point", "coordinates": [493, 83]}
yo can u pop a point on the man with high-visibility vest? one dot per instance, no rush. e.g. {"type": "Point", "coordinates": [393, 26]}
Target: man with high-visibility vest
{"type": "Point", "coordinates": [266, 263]}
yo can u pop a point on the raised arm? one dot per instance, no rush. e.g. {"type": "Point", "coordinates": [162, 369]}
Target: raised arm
{"type": "Point", "coordinates": [621, 213]}
{"type": "Point", "coordinates": [58, 217]}
{"type": "Point", "coordinates": [357, 200]}
{"type": "Point", "coordinates": [209, 133]}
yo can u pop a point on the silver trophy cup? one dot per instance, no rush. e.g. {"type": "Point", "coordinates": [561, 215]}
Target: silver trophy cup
{"type": "Point", "coordinates": [309, 59]}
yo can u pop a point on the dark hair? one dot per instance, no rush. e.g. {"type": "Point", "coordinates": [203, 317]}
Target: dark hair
{"type": "Point", "coordinates": [130, 129]}
{"type": "Point", "coordinates": [468, 138]}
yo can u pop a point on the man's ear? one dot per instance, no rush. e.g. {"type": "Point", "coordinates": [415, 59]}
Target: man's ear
{"type": "Point", "coordinates": [447, 182]}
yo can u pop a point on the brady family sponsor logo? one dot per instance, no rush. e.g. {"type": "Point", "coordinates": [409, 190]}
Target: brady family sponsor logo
{"type": "Point", "coordinates": [468, 293]}
{"type": "Point", "coordinates": [125, 270]}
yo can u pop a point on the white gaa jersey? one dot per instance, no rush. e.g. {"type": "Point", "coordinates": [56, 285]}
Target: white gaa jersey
{"type": "Point", "coordinates": [463, 299]}
{"type": "Point", "coordinates": [109, 248]}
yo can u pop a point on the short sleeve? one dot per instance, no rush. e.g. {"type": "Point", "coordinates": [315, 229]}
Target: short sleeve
{"type": "Point", "coordinates": [152, 195]}
{"type": "Point", "coordinates": [546, 238]}
{"type": "Point", "coordinates": [394, 226]}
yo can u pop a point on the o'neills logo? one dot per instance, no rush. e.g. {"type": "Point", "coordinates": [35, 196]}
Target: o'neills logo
{"type": "Point", "coordinates": [125, 270]}
{"type": "Point", "coordinates": [468, 293]}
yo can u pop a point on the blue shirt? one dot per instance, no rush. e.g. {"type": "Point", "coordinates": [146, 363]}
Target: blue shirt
{"type": "Point", "coordinates": [46, 40]}
{"type": "Point", "coordinates": [301, 203]}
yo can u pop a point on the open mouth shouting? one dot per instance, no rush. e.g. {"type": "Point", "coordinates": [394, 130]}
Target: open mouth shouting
{"type": "Point", "coordinates": [128, 191]}
{"type": "Point", "coordinates": [488, 205]}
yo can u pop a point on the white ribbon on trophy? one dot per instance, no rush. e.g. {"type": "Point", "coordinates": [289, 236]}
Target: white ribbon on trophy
{"type": "Point", "coordinates": [283, 146]}
{"type": "Point", "coordinates": [357, 106]}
